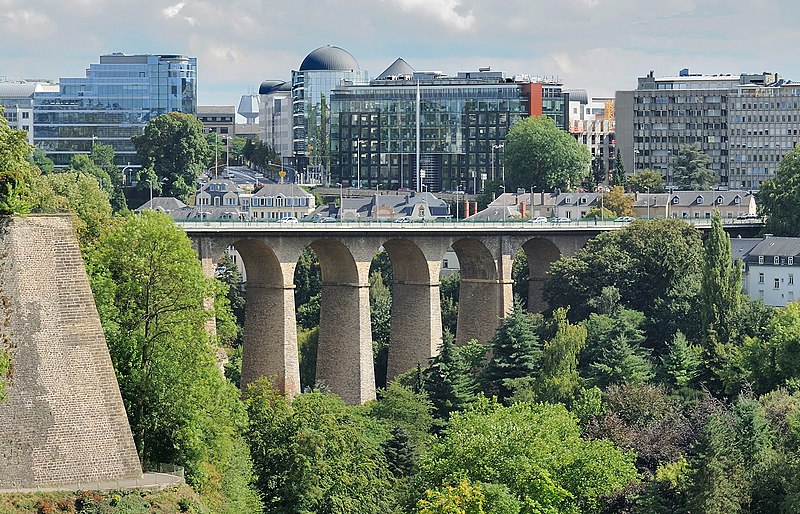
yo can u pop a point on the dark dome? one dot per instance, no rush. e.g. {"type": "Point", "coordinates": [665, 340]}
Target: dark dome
{"type": "Point", "coordinates": [271, 86]}
{"type": "Point", "coordinates": [329, 58]}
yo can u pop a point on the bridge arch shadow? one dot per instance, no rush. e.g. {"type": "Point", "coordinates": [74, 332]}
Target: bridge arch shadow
{"type": "Point", "coordinates": [270, 332]}
{"type": "Point", "coordinates": [416, 326]}
{"type": "Point", "coordinates": [540, 253]}
{"type": "Point", "coordinates": [481, 294]}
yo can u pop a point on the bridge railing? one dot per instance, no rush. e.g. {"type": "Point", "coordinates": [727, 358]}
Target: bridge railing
{"type": "Point", "coordinates": [435, 224]}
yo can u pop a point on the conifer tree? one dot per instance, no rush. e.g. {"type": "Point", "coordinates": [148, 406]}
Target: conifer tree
{"type": "Point", "coordinates": [558, 380]}
{"type": "Point", "coordinates": [447, 381]}
{"type": "Point", "coordinates": [399, 452]}
{"type": "Point", "coordinates": [516, 353]}
{"type": "Point", "coordinates": [682, 362]}
{"type": "Point", "coordinates": [621, 362]}
{"type": "Point", "coordinates": [720, 298]}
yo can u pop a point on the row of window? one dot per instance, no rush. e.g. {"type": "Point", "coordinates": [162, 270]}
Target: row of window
{"type": "Point", "coordinates": [268, 201]}
{"type": "Point", "coordinates": [776, 260]}
{"type": "Point", "coordinates": [776, 280]}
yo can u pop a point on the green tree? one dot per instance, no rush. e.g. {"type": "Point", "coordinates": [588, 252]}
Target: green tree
{"type": "Point", "coordinates": [720, 299]}
{"type": "Point", "coordinates": [42, 161]}
{"type": "Point", "coordinates": [691, 169]}
{"type": "Point", "coordinates": [312, 455]}
{"type": "Point", "coordinates": [778, 197]}
{"type": "Point", "coordinates": [149, 288]}
{"type": "Point", "coordinates": [539, 153]}
{"type": "Point", "coordinates": [646, 181]}
{"type": "Point", "coordinates": [681, 364]}
{"type": "Point", "coordinates": [559, 380]}
{"type": "Point", "coordinates": [618, 178]}
{"type": "Point", "coordinates": [775, 360]}
{"type": "Point", "coordinates": [78, 194]}
{"type": "Point", "coordinates": [535, 451]}
{"type": "Point", "coordinates": [400, 406]}
{"type": "Point", "coordinates": [380, 300]}
{"type": "Point", "coordinates": [172, 147]}
{"type": "Point", "coordinates": [447, 381]}
{"type": "Point", "coordinates": [103, 156]}
{"type": "Point", "coordinates": [399, 452]}
{"type": "Point", "coordinates": [449, 288]}
{"type": "Point", "coordinates": [617, 201]}
{"type": "Point", "coordinates": [516, 353]}
{"type": "Point", "coordinates": [654, 265]}
{"type": "Point", "coordinates": [16, 172]}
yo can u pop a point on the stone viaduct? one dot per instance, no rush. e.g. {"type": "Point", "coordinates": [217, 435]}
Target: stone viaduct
{"type": "Point", "coordinates": [270, 253]}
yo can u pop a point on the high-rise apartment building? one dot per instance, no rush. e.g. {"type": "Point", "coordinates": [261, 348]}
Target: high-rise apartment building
{"type": "Point", "coordinates": [275, 116]}
{"type": "Point", "coordinates": [463, 123]}
{"type": "Point", "coordinates": [591, 123]}
{"type": "Point", "coordinates": [743, 123]}
{"type": "Point", "coordinates": [113, 102]}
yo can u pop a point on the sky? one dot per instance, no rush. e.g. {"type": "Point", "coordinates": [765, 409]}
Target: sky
{"type": "Point", "coordinates": [598, 45]}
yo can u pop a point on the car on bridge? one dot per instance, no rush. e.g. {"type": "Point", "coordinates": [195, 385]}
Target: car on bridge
{"type": "Point", "coordinates": [624, 219]}
{"type": "Point", "coordinates": [560, 220]}
{"type": "Point", "coordinates": [289, 219]}
{"type": "Point", "coordinates": [537, 219]}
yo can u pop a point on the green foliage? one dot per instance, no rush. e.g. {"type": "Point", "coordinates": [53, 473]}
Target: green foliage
{"type": "Point", "coordinates": [539, 153]}
{"type": "Point", "coordinates": [172, 147]}
{"type": "Point", "coordinates": [39, 159]}
{"type": "Point", "coordinates": [516, 353]}
{"type": "Point", "coordinates": [307, 278]}
{"type": "Point", "coordinates": [601, 213]}
{"type": "Point", "coordinates": [259, 154]}
{"type": "Point", "coordinates": [618, 177]}
{"type": "Point", "coordinates": [449, 288]}
{"type": "Point", "coordinates": [79, 194]}
{"type": "Point", "coordinates": [778, 197]}
{"type": "Point", "coordinates": [618, 202]}
{"type": "Point", "coordinates": [720, 299]}
{"type": "Point", "coordinates": [16, 172]}
{"type": "Point", "coordinates": [691, 169]}
{"type": "Point", "coordinates": [682, 362]}
{"type": "Point", "coordinates": [307, 344]}
{"type": "Point", "coordinates": [103, 157]}
{"type": "Point", "coordinates": [5, 369]}
{"type": "Point", "coordinates": [149, 289]}
{"type": "Point", "coordinates": [775, 360]}
{"type": "Point", "coordinates": [446, 380]}
{"type": "Point", "coordinates": [558, 380]}
{"type": "Point", "coordinates": [380, 300]}
{"type": "Point", "coordinates": [647, 180]}
{"type": "Point", "coordinates": [520, 275]}
{"type": "Point", "coordinates": [535, 451]}
{"type": "Point", "coordinates": [312, 455]}
{"type": "Point", "coordinates": [399, 453]}
{"type": "Point", "coordinates": [621, 361]}
{"type": "Point", "coordinates": [399, 406]}
{"type": "Point", "coordinates": [228, 273]}
{"type": "Point", "coordinates": [654, 265]}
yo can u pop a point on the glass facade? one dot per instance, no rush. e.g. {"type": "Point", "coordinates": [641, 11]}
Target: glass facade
{"type": "Point", "coordinates": [311, 93]}
{"type": "Point", "coordinates": [114, 102]}
{"type": "Point", "coordinates": [373, 131]}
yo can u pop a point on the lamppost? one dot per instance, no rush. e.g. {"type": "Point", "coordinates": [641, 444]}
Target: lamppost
{"type": "Point", "coordinates": [151, 192]}
{"type": "Point", "coordinates": [496, 147]}
{"type": "Point", "coordinates": [125, 175]}
{"type": "Point", "coordinates": [647, 189]}
{"type": "Point", "coordinates": [358, 163]}
{"type": "Point", "coordinates": [635, 153]}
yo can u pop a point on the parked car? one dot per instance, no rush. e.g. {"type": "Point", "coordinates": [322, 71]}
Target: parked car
{"type": "Point", "coordinates": [561, 219]}
{"type": "Point", "coordinates": [289, 219]}
{"type": "Point", "coordinates": [624, 219]}
{"type": "Point", "coordinates": [327, 219]}
{"type": "Point", "coordinates": [538, 219]}
{"type": "Point", "coordinates": [747, 216]}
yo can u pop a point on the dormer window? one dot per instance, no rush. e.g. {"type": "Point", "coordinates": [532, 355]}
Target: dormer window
{"type": "Point", "coordinates": [719, 200]}
{"type": "Point", "coordinates": [776, 260]}
{"type": "Point", "coordinates": [676, 200]}
{"type": "Point", "coordinates": [568, 200]}
{"type": "Point", "coordinates": [582, 200]}
{"type": "Point", "coordinates": [699, 200]}
{"type": "Point", "coordinates": [737, 199]}
{"type": "Point", "coordinates": [761, 259]}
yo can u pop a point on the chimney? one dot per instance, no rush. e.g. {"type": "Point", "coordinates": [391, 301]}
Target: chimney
{"type": "Point", "coordinates": [474, 207]}
{"type": "Point", "coordinates": [466, 208]}
{"type": "Point", "coordinates": [522, 208]}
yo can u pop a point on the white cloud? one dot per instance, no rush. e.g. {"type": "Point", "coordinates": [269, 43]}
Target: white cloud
{"type": "Point", "coordinates": [26, 19]}
{"type": "Point", "coordinates": [173, 10]}
{"type": "Point", "coordinates": [445, 10]}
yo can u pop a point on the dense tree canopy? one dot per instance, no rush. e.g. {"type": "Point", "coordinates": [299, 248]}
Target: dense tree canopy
{"type": "Point", "coordinates": [648, 180]}
{"type": "Point", "coordinates": [779, 197]}
{"type": "Point", "coordinates": [172, 148]}
{"type": "Point", "coordinates": [655, 266]}
{"type": "Point", "coordinates": [691, 169]}
{"type": "Point", "coordinates": [149, 288]}
{"type": "Point", "coordinates": [540, 154]}
{"type": "Point", "coordinates": [16, 171]}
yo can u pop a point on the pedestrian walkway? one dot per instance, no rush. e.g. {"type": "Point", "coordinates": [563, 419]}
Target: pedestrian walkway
{"type": "Point", "coordinates": [148, 482]}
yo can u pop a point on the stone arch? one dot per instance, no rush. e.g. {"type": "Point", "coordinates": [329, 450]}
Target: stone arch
{"type": "Point", "coordinates": [540, 252]}
{"type": "Point", "coordinates": [416, 331]}
{"type": "Point", "coordinates": [481, 296]}
{"type": "Point", "coordinates": [344, 352]}
{"type": "Point", "coordinates": [270, 329]}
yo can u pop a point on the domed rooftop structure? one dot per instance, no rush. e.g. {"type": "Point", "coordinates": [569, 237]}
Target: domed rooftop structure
{"type": "Point", "coordinates": [331, 58]}
{"type": "Point", "coordinates": [271, 86]}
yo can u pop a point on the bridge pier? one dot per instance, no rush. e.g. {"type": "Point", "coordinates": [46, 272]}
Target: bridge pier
{"type": "Point", "coordinates": [482, 303]}
{"type": "Point", "coordinates": [416, 325]}
{"type": "Point", "coordinates": [344, 354]}
{"type": "Point", "coordinates": [270, 338]}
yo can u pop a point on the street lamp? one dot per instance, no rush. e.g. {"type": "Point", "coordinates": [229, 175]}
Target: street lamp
{"type": "Point", "coordinates": [496, 147]}
{"type": "Point", "coordinates": [648, 201]}
{"type": "Point", "coordinates": [151, 192]}
{"type": "Point", "coordinates": [635, 153]}
{"type": "Point", "coordinates": [358, 163]}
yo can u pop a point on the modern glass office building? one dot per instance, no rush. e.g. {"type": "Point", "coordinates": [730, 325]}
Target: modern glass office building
{"type": "Point", "coordinates": [320, 72]}
{"type": "Point", "coordinates": [463, 123]}
{"type": "Point", "coordinates": [113, 102]}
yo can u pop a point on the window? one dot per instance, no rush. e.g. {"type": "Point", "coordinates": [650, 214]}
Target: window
{"type": "Point", "coordinates": [699, 200]}
{"type": "Point", "coordinates": [776, 283]}
{"type": "Point", "coordinates": [760, 278]}
{"type": "Point", "coordinates": [791, 279]}
{"type": "Point", "coordinates": [790, 261]}
{"type": "Point", "coordinates": [25, 115]}
{"type": "Point", "coordinates": [761, 259]}
{"type": "Point", "coordinates": [776, 260]}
